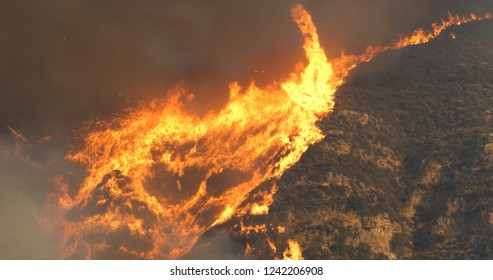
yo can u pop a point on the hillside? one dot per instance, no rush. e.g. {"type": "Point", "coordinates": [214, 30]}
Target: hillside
{"type": "Point", "coordinates": [405, 170]}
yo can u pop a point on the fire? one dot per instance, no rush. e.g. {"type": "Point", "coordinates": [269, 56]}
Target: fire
{"type": "Point", "coordinates": [281, 229]}
{"type": "Point", "coordinates": [345, 63]}
{"type": "Point", "coordinates": [293, 251]}
{"type": "Point", "coordinates": [253, 228]}
{"type": "Point", "coordinates": [262, 207]}
{"type": "Point", "coordinates": [248, 250]}
{"type": "Point", "coordinates": [421, 36]}
{"type": "Point", "coordinates": [159, 176]}
{"type": "Point", "coordinates": [272, 246]}
{"type": "Point", "coordinates": [259, 134]}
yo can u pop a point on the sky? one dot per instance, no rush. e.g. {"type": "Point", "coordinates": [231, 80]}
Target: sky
{"type": "Point", "coordinates": [64, 62]}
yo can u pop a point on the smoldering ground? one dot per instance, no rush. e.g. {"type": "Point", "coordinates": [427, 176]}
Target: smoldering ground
{"type": "Point", "coordinates": [65, 62]}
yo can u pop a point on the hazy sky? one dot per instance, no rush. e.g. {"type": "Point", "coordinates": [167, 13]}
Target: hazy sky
{"type": "Point", "coordinates": [65, 61]}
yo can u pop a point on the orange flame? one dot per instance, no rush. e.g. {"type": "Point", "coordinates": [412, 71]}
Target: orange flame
{"type": "Point", "coordinates": [281, 229]}
{"type": "Point", "coordinates": [421, 36]}
{"type": "Point", "coordinates": [247, 230]}
{"type": "Point", "coordinates": [248, 250]}
{"type": "Point", "coordinates": [259, 134]}
{"type": "Point", "coordinates": [272, 245]}
{"type": "Point", "coordinates": [262, 207]}
{"type": "Point", "coordinates": [345, 63]}
{"type": "Point", "coordinates": [293, 251]}
{"type": "Point", "coordinates": [152, 175]}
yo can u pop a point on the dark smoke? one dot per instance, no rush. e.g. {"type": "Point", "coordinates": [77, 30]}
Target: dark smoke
{"type": "Point", "coordinates": [63, 62]}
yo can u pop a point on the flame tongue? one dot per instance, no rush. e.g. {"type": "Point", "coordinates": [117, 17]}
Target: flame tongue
{"type": "Point", "coordinates": [159, 177]}
{"type": "Point", "coordinates": [258, 135]}
{"type": "Point", "coordinates": [421, 36]}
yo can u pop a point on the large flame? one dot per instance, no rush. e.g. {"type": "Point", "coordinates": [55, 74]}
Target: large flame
{"type": "Point", "coordinates": [158, 177]}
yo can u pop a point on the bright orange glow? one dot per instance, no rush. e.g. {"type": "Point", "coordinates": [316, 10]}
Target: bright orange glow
{"type": "Point", "coordinates": [421, 36]}
{"type": "Point", "coordinates": [272, 246]}
{"type": "Point", "coordinates": [248, 250]}
{"type": "Point", "coordinates": [257, 136]}
{"type": "Point", "coordinates": [247, 230]}
{"type": "Point", "coordinates": [345, 63]}
{"type": "Point", "coordinates": [266, 199]}
{"type": "Point", "coordinates": [281, 229]}
{"type": "Point", "coordinates": [260, 133]}
{"type": "Point", "coordinates": [293, 251]}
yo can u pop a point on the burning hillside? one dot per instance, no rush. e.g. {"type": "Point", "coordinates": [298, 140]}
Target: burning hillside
{"type": "Point", "coordinates": [404, 171]}
{"type": "Point", "coordinates": [291, 165]}
{"type": "Point", "coordinates": [159, 176]}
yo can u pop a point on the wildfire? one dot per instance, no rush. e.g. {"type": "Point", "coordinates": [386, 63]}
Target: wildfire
{"type": "Point", "coordinates": [253, 228]}
{"type": "Point", "coordinates": [421, 36]}
{"type": "Point", "coordinates": [159, 176]}
{"type": "Point", "coordinates": [18, 136]}
{"type": "Point", "coordinates": [293, 251]}
{"type": "Point", "coordinates": [262, 207]}
{"type": "Point", "coordinates": [272, 246]}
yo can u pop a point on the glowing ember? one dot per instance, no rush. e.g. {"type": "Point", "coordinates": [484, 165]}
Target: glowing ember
{"type": "Point", "coordinates": [272, 246]}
